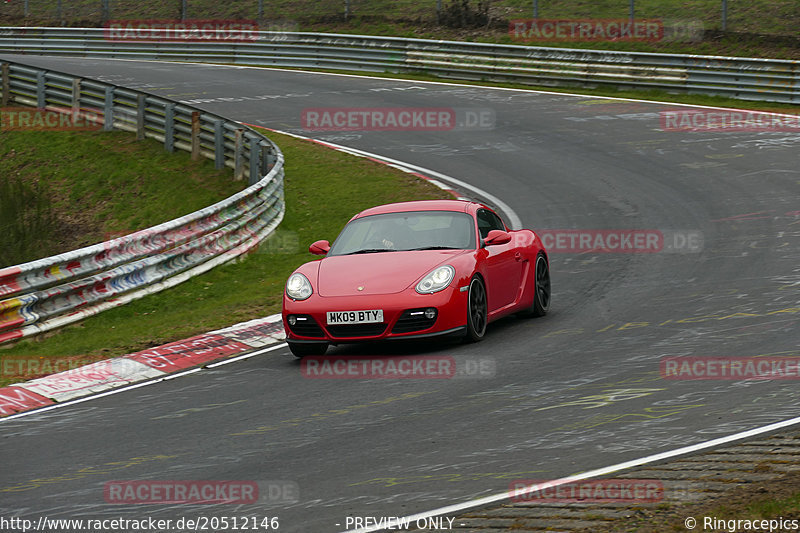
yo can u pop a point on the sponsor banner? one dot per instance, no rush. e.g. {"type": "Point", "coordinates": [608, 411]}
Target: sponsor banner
{"type": "Point", "coordinates": [177, 30]}
{"type": "Point", "coordinates": [208, 244]}
{"type": "Point", "coordinates": [188, 353]}
{"type": "Point", "coordinates": [10, 335]}
{"type": "Point", "coordinates": [8, 281]}
{"type": "Point", "coordinates": [16, 399]}
{"type": "Point", "coordinates": [590, 491]}
{"type": "Point", "coordinates": [92, 378]}
{"type": "Point", "coordinates": [644, 30]}
{"type": "Point", "coordinates": [200, 492]}
{"type": "Point", "coordinates": [396, 119]}
{"type": "Point", "coordinates": [50, 119]}
{"type": "Point", "coordinates": [730, 368]}
{"type": "Point", "coordinates": [627, 241]}
{"type": "Point", "coordinates": [728, 120]}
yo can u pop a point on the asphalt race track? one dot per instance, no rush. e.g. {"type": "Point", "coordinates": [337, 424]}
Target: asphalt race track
{"type": "Point", "coordinates": [576, 390]}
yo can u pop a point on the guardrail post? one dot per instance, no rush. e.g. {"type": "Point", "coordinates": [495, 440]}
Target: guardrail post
{"type": "Point", "coordinates": [266, 164]}
{"type": "Point", "coordinates": [238, 156]}
{"type": "Point", "coordinates": [195, 135]}
{"type": "Point", "coordinates": [76, 96]}
{"type": "Point", "coordinates": [254, 161]}
{"type": "Point", "coordinates": [108, 110]}
{"type": "Point", "coordinates": [169, 127]}
{"type": "Point", "coordinates": [267, 157]}
{"type": "Point", "coordinates": [141, 109]}
{"type": "Point", "coordinates": [219, 145]}
{"type": "Point", "coordinates": [41, 86]}
{"type": "Point", "coordinates": [724, 15]}
{"type": "Point", "coordinates": [4, 72]}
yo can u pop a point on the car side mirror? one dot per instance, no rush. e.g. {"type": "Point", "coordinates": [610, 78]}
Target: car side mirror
{"type": "Point", "coordinates": [497, 236]}
{"type": "Point", "coordinates": [320, 248]}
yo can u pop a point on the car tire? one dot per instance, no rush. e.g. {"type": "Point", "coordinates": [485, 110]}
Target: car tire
{"type": "Point", "coordinates": [477, 310]}
{"type": "Point", "coordinates": [302, 349]}
{"type": "Point", "coordinates": [541, 288]}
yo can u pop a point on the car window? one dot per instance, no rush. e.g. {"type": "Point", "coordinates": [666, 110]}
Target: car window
{"type": "Point", "coordinates": [487, 221]}
{"type": "Point", "coordinates": [405, 231]}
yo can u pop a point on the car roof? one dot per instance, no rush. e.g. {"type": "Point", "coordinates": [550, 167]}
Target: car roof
{"type": "Point", "coordinates": [422, 205]}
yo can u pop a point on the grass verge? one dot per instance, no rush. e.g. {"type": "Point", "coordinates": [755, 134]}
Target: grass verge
{"type": "Point", "coordinates": [65, 190]}
{"type": "Point", "coordinates": [323, 188]}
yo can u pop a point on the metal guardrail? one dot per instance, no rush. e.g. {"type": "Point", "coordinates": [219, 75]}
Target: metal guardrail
{"type": "Point", "coordinates": [744, 78]}
{"type": "Point", "coordinates": [47, 293]}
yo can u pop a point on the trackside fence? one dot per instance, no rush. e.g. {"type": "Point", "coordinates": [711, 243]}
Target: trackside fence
{"type": "Point", "coordinates": [744, 78]}
{"type": "Point", "coordinates": [47, 293]}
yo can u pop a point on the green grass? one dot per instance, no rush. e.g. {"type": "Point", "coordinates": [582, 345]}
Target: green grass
{"type": "Point", "coordinates": [27, 222]}
{"type": "Point", "coordinates": [323, 190]}
{"type": "Point", "coordinates": [94, 185]}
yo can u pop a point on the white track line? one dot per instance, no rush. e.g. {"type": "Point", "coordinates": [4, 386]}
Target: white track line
{"type": "Point", "coordinates": [515, 223]}
{"type": "Point", "coordinates": [460, 507]}
{"type": "Point", "coordinates": [143, 384]}
{"type": "Point", "coordinates": [446, 83]}
{"type": "Point", "coordinates": [510, 215]}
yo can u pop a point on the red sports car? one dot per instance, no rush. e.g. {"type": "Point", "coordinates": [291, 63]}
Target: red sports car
{"type": "Point", "coordinates": [411, 270]}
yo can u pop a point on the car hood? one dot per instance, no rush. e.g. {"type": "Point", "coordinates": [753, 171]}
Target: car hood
{"type": "Point", "coordinates": [377, 273]}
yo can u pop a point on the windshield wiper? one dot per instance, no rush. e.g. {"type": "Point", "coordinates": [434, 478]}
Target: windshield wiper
{"type": "Point", "coordinates": [434, 248]}
{"type": "Point", "coordinates": [371, 251]}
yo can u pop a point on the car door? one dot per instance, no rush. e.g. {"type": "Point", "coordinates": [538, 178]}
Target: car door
{"type": "Point", "coordinates": [504, 265]}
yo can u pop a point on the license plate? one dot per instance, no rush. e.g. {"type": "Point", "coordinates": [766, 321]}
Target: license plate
{"type": "Point", "coordinates": [355, 317]}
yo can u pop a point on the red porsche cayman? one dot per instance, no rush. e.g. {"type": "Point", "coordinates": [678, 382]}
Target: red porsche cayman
{"type": "Point", "coordinates": [411, 270]}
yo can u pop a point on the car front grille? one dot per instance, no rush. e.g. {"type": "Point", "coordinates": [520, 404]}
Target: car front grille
{"type": "Point", "coordinates": [357, 330]}
{"type": "Point", "coordinates": [413, 320]}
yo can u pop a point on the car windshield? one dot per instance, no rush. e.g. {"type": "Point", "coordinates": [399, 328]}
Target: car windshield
{"type": "Point", "coordinates": [406, 231]}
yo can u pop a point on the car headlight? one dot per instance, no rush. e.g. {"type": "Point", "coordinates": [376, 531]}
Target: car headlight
{"type": "Point", "coordinates": [298, 287]}
{"type": "Point", "coordinates": [436, 280]}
